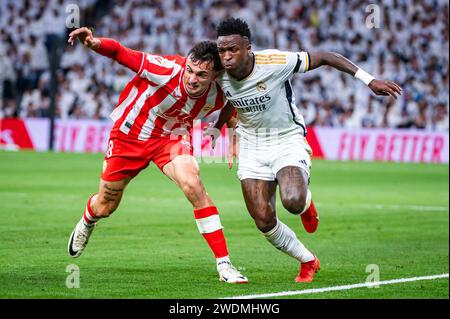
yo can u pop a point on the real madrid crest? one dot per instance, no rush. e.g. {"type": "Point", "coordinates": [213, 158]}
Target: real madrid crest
{"type": "Point", "coordinates": [261, 86]}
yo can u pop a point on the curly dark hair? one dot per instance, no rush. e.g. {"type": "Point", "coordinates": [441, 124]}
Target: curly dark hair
{"type": "Point", "coordinates": [234, 26]}
{"type": "Point", "coordinates": [206, 51]}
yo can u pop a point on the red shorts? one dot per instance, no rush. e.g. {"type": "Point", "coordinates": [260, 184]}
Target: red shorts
{"type": "Point", "coordinates": [127, 156]}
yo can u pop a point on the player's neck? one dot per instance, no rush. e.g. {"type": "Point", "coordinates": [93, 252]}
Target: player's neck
{"type": "Point", "coordinates": [247, 69]}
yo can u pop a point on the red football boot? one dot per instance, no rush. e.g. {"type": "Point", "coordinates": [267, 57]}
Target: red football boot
{"type": "Point", "coordinates": [307, 270]}
{"type": "Point", "coordinates": [310, 218]}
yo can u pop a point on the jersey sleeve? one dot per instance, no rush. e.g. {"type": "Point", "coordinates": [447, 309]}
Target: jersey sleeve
{"type": "Point", "coordinates": [303, 61]}
{"type": "Point", "coordinates": [297, 62]}
{"type": "Point", "coordinates": [127, 57]}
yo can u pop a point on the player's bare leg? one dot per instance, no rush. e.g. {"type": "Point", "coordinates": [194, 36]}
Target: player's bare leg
{"type": "Point", "coordinates": [99, 205]}
{"type": "Point", "coordinates": [259, 196]}
{"type": "Point", "coordinates": [108, 198]}
{"type": "Point", "coordinates": [184, 171]}
{"type": "Point", "coordinates": [296, 196]}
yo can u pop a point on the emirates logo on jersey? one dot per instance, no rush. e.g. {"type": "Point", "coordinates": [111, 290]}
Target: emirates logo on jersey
{"type": "Point", "coordinates": [253, 104]}
{"type": "Point", "coordinates": [261, 86]}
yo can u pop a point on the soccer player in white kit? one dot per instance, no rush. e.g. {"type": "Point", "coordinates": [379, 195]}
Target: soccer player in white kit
{"type": "Point", "coordinates": [272, 134]}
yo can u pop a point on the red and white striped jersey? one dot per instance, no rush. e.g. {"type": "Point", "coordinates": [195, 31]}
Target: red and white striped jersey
{"type": "Point", "coordinates": [154, 103]}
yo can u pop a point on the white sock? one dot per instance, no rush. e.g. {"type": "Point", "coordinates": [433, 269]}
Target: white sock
{"type": "Point", "coordinates": [88, 219]}
{"type": "Point", "coordinates": [222, 260]}
{"type": "Point", "coordinates": [284, 239]}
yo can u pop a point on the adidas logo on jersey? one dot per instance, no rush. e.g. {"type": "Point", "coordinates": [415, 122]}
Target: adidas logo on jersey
{"type": "Point", "coordinates": [303, 162]}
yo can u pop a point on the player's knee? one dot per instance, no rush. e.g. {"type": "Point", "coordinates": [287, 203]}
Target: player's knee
{"type": "Point", "coordinates": [294, 202]}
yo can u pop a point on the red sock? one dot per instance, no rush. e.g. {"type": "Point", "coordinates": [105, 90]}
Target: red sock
{"type": "Point", "coordinates": [208, 223]}
{"type": "Point", "coordinates": [88, 216]}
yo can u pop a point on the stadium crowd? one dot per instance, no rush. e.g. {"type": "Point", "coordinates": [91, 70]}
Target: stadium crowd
{"type": "Point", "coordinates": [407, 44]}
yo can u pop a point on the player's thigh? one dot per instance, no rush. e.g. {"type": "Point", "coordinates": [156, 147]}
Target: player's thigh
{"type": "Point", "coordinates": [291, 164]}
{"type": "Point", "coordinates": [259, 196]}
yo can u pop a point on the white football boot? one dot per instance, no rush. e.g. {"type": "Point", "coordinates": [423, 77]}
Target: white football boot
{"type": "Point", "coordinates": [228, 273]}
{"type": "Point", "coordinates": [79, 239]}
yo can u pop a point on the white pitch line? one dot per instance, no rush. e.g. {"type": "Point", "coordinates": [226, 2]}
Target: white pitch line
{"type": "Point", "coordinates": [338, 288]}
{"type": "Point", "coordinates": [380, 206]}
{"type": "Point", "coordinates": [411, 207]}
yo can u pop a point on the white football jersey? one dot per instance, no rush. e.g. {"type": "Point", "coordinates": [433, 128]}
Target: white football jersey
{"type": "Point", "coordinates": [264, 100]}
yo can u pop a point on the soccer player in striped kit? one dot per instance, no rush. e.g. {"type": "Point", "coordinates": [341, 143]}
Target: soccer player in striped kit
{"type": "Point", "coordinates": [151, 124]}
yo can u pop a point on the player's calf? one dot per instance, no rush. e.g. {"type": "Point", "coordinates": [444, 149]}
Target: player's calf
{"type": "Point", "coordinates": [184, 171]}
{"type": "Point", "coordinates": [265, 222]}
{"type": "Point", "coordinates": [195, 192]}
{"type": "Point", "coordinates": [104, 208]}
{"type": "Point", "coordinates": [108, 198]}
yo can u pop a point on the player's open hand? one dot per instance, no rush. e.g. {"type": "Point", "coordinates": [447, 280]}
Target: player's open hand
{"type": "Point", "coordinates": [86, 38]}
{"type": "Point", "coordinates": [387, 88]}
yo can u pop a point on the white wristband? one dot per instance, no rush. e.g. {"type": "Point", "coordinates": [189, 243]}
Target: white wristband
{"type": "Point", "coordinates": [365, 77]}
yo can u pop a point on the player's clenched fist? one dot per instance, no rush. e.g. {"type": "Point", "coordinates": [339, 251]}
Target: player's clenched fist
{"type": "Point", "coordinates": [86, 38]}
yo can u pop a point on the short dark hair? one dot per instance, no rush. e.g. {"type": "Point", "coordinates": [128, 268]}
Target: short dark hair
{"type": "Point", "coordinates": [234, 26]}
{"type": "Point", "coordinates": [206, 51]}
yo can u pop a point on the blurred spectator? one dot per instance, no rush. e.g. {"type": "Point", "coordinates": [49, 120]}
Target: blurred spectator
{"type": "Point", "coordinates": [410, 46]}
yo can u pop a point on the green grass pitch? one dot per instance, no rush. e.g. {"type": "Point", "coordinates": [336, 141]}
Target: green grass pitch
{"type": "Point", "coordinates": [394, 216]}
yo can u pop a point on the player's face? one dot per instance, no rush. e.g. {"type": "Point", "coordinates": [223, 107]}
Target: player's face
{"type": "Point", "coordinates": [234, 52]}
{"type": "Point", "coordinates": [197, 77]}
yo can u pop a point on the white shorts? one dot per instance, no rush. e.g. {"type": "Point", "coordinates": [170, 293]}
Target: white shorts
{"type": "Point", "coordinates": [264, 160]}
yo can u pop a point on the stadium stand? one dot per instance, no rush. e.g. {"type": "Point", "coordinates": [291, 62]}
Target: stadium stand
{"type": "Point", "coordinates": [410, 46]}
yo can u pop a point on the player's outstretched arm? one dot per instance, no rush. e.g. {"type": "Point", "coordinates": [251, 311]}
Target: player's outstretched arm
{"type": "Point", "coordinates": [379, 87]}
{"type": "Point", "coordinates": [108, 47]}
